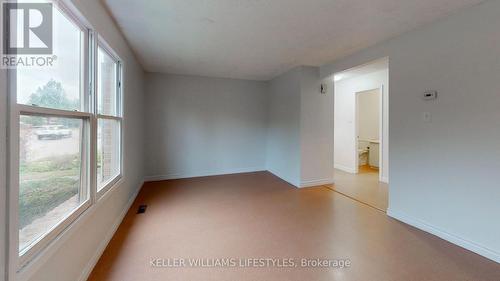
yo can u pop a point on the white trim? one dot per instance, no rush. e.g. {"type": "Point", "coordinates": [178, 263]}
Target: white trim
{"type": "Point", "coordinates": [381, 136]}
{"type": "Point", "coordinates": [102, 45]}
{"type": "Point", "coordinates": [105, 241]}
{"type": "Point", "coordinates": [109, 117]}
{"type": "Point", "coordinates": [13, 177]}
{"type": "Point", "coordinates": [452, 238]}
{"type": "Point", "coordinates": [307, 183]}
{"type": "Point", "coordinates": [183, 175]}
{"type": "Point", "coordinates": [92, 101]}
{"type": "Point", "coordinates": [384, 179]}
{"type": "Point", "coordinates": [318, 182]}
{"type": "Point", "coordinates": [117, 180]}
{"type": "Point", "coordinates": [345, 168]}
{"type": "Point", "coordinates": [383, 140]}
{"type": "Point", "coordinates": [44, 111]}
{"type": "Point", "coordinates": [67, 9]}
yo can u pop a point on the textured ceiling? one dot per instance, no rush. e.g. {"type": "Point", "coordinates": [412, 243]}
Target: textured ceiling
{"type": "Point", "coordinates": [259, 39]}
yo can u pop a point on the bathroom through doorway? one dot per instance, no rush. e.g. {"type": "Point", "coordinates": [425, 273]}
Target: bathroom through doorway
{"type": "Point", "coordinates": [361, 133]}
{"type": "Point", "coordinates": [368, 119]}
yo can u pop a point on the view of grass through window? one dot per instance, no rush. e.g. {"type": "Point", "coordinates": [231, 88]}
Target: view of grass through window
{"type": "Point", "coordinates": [54, 134]}
{"type": "Point", "coordinates": [52, 181]}
{"type": "Point", "coordinates": [50, 173]}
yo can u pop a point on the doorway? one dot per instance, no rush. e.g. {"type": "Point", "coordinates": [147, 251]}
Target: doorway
{"type": "Point", "coordinates": [368, 117]}
{"type": "Point", "coordinates": [361, 133]}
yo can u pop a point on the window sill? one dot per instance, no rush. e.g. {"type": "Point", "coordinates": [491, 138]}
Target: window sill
{"type": "Point", "coordinates": [108, 186]}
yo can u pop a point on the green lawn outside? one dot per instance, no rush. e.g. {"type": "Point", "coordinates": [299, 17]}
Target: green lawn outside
{"type": "Point", "coordinates": [45, 185]}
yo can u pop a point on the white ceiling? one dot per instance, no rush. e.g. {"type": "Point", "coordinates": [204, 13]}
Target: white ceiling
{"type": "Point", "coordinates": [260, 39]}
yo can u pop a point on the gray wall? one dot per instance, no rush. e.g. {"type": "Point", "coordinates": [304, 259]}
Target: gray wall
{"type": "Point", "coordinates": [300, 128]}
{"type": "Point", "coordinates": [316, 129]}
{"type": "Point", "coordinates": [199, 126]}
{"type": "Point", "coordinates": [444, 174]}
{"type": "Point", "coordinates": [283, 135]}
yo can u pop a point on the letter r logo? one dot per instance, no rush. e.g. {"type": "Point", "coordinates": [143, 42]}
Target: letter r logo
{"type": "Point", "coordinates": [27, 28]}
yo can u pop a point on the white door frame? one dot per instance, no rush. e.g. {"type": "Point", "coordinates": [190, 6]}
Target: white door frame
{"type": "Point", "coordinates": [380, 127]}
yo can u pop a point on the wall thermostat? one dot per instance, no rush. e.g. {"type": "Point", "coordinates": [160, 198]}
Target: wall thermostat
{"type": "Point", "coordinates": [324, 88]}
{"type": "Point", "coordinates": [430, 95]}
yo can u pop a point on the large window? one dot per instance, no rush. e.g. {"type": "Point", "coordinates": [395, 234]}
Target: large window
{"type": "Point", "coordinates": [65, 136]}
{"type": "Point", "coordinates": [51, 173]}
{"type": "Point", "coordinates": [53, 138]}
{"type": "Point", "coordinates": [109, 120]}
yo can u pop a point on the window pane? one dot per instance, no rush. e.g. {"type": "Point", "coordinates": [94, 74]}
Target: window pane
{"type": "Point", "coordinates": [58, 86]}
{"type": "Point", "coordinates": [106, 81]}
{"type": "Point", "coordinates": [50, 174]}
{"type": "Point", "coordinates": [108, 151]}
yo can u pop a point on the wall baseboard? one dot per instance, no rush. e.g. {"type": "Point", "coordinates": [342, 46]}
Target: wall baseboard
{"type": "Point", "coordinates": [288, 180]}
{"type": "Point", "coordinates": [307, 183]}
{"type": "Point", "coordinates": [105, 241]}
{"type": "Point", "coordinates": [454, 239]}
{"type": "Point", "coordinates": [310, 183]}
{"type": "Point", "coordinates": [345, 168]}
{"type": "Point", "coordinates": [384, 180]}
{"type": "Point", "coordinates": [174, 176]}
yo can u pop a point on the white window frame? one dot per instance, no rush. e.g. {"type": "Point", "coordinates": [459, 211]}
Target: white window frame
{"type": "Point", "coordinates": [21, 266]}
{"type": "Point", "coordinates": [101, 43]}
{"type": "Point", "coordinates": [19, 259]}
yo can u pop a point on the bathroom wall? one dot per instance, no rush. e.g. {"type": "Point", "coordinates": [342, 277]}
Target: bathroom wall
{"type": "Point", "coordinates": [368, 112]}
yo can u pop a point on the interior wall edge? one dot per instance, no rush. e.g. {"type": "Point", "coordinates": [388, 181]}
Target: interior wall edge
{"type": "Point", "coordinates": [294, 183]}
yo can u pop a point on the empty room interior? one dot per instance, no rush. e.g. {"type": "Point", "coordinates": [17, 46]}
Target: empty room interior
{"type": "Point", "coordinates": [250, 140]}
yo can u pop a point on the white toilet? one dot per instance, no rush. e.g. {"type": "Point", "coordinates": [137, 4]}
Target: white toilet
{"type": "Point", "coordinates": [363, 152]}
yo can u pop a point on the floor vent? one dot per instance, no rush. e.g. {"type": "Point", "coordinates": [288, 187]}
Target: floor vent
{"type": "Point", "coordinates": [142, 209]}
